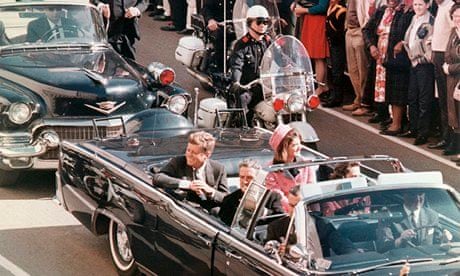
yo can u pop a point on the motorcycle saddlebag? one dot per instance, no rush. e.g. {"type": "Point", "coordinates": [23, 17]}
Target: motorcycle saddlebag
{"type": "Point", "coordinates": [188, 51]}
{"type": "Point", "coordinates": [207, 112]}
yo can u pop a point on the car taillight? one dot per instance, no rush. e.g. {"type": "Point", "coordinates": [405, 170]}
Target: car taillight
{"type": "Point", "coordinates": [313, 101]}
{"type": "Point", "coordinates": [167, 77]}
{"type": "Point", "coordinates": [278, 104]}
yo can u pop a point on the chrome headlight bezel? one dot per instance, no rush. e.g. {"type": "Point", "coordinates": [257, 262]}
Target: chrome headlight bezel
{"type": "Point", "coordinates": [295, 103]}
{"type": "Point", "coordinates": [20, 113]}
{"type": "Point", "coordinates": [178, 103]}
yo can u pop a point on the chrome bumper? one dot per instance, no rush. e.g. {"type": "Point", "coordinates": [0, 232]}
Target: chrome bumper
{"type": "Point", "coordinates": [23, 156]}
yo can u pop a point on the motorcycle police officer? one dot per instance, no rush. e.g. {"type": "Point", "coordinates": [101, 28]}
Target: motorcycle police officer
{"type": "Point", "coordinates": [246, 58]}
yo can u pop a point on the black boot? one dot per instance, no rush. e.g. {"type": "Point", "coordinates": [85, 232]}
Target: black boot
{"type": "Point", "coordinates": [453, 146]}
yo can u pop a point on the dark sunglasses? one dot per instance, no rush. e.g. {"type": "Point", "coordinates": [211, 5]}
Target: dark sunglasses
{"type": "Point", "coordinates": [262, 20]}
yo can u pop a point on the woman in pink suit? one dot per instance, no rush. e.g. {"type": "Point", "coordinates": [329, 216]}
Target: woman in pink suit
{"type": "Point", "coordinates": [286, 145]}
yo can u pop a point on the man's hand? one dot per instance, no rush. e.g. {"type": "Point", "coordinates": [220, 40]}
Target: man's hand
{"type": "Point", "coordinates": [374, 52]}
{"type": "Point", "coordinates": [200, 187]}
{"type": "Point", "coordinates": [132, 12]}
{"type": "Point", "coordinates": [446, 236]}
{"type": "Point", "coordinates": [405, 236]}
{"type": "Point", "coordinates": [105, 10]}
{"type": "Point", "coordinates": [398, 48]}
{"type": "Point", "coordinates": [212, 25]}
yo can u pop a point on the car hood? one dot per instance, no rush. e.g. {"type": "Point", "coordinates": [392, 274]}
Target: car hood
{"type": "Point", "coordinates": [78, 82]}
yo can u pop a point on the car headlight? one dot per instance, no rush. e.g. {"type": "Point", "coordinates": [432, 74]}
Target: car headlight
{"type": "Point", "coordinates": [19, 113]}
{"type": "Point", "coordinates": [295, 103]}
{"type": "Point", "coordinates": [178, 103]}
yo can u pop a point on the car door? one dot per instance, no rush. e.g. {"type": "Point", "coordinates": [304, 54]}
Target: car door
{"type": "Point", "coordinates": [236, 252]}
{"type": "Point", "coordinates": [173, 237]}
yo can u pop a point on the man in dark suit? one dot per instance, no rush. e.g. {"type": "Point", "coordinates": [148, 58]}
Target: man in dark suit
{"type": "Point", "coordinates": [419, 226]}
{"type": "Point", "coordinates": [51, 26]}
{"type": "Point", "coordinates": [247, 173]}
{"type": "Point", "coordinates": [123, 17]}
{"type": "Point", "coordinates": [203, 178]}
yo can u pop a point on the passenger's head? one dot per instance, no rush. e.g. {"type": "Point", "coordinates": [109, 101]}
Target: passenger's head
{"type": "Point", "coordinates": [285, 142]}
{"type": "Point", "coordinates": [346, 170]}
{"type": "Point", "coordinates": [414, 200]}
{"type": "Point", "coordinates": [293, 198]}
{"type": "Point", "coordinates": [393, 3]}
{"type": "Point", "coordinates": [53, 14]}
{"type": "Point", "coordinates": [199, 148]}
{"type": "Point", "coordinates": [421, 7]}
{"type": "Point", "coordinates": [258, 19]}
{"type": "Point", "coordinates": [247, 172]}
{"type": "Point", "coordinates": [455, 15]}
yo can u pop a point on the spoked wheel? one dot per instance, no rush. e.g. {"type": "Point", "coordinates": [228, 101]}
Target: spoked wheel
{"type": "Point", "coordinates": [120, 249]}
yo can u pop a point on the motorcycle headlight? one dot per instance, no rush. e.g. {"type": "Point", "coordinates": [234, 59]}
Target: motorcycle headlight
{"type": "Point", "coordinates": [295, 103]}
{"type": "Point", "coordinates": [19, 113]}
{"type": "Point", "coordinates": [178, 103]}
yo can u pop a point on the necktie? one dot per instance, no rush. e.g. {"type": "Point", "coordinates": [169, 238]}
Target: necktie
{"type": "Point", "coordinates": [413, 220]}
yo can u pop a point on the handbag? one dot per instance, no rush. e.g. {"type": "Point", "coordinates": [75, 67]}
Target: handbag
{"type": "Point", "coordinates": [457, 91]}
{"type": "Point", "coordinates": [305, 3]}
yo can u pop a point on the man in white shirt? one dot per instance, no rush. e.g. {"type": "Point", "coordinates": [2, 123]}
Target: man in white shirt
{"type": "Point", "coordinates": [49, 27]}
{"type": "Point", "coordinates": [419, 226]}
{"type": "Point", "coordinates": [205, 180]}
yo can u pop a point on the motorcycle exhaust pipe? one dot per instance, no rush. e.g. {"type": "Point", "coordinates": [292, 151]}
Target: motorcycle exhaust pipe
{"type": "Point", "coordinates": [200, 77]}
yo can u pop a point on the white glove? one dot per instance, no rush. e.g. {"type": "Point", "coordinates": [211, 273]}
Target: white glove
{"type": "Point", "coordinates": [445, 68]}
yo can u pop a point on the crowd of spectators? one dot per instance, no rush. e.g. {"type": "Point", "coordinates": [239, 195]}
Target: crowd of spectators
{"type": "Point", "coordinates": [401, 58]}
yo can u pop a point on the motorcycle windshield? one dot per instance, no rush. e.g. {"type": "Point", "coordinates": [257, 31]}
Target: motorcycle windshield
{"type": "Point", "coordinates": [286, 68]}
{"type": "Point", "coordinates": [239, 16]}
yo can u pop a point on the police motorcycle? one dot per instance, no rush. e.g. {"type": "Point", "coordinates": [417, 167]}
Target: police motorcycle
{"type": "Point", "coordinates": [288, 85]}
{"type": "Point", "coordinates": [197, 52]}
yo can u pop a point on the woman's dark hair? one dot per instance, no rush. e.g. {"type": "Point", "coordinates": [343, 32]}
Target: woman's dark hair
{"type": "Point", "coordinates": [342, 169]}
{"type": "Point", "coordinates": [455, 7]}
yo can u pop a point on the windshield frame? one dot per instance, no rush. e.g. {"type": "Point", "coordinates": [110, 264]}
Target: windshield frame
{"type": "Point", "coordinates": [302, 222]}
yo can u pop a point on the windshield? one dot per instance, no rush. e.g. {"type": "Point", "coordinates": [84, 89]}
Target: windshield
{"type": "Point", "coordinates": [49, 24]}
{"type": "Point", "coordinates": [366, 229]}
{"type": "Point", "coordinates": [286, 68]}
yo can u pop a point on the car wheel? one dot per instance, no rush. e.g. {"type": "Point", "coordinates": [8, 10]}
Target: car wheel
{"type": "Point", "coordinates": [120, 249]}
{"type": "Point", "coordinates": [8, 178]}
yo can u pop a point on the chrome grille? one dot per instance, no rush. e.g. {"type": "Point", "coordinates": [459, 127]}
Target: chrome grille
{"type": "Point", "coordinates": [12, 140]}
{"type": "Point", "coordinates": [86, 132]}
{"type": "Point", "coordinates": [81, 133]}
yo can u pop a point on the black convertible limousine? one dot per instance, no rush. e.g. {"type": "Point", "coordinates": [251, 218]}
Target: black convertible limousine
{"type": "Point", "coordinates": [107, 185]}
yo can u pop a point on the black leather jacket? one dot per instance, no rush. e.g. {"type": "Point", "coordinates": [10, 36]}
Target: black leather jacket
{"type": "Point", "coordinates": [214, 9]}
{"type": "Point", "coordinates": [246, 58]}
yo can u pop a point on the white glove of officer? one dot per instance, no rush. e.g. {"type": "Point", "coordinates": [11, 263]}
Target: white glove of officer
{"type": "Point", "coordinates": [445, 68]}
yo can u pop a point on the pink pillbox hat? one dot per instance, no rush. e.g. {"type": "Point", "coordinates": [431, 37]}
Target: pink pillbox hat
{"type": "Point", "coordinates": [278, 135]}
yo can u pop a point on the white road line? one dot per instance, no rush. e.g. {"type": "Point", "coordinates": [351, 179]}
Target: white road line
{"type": "Point", "coordinates": [391, 138]}
{"type": "Point", "coordinates": [14, 269]}
{"type": "Point", "coordinates": [36, 213]}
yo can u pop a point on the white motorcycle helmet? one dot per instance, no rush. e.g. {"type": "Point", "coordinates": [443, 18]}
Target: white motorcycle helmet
{"type": "Point", "coordinates": [256, 12]}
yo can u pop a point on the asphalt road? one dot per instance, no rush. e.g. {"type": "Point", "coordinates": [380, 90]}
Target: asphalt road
{"type": "Point", "coordinates": [38, 238]}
